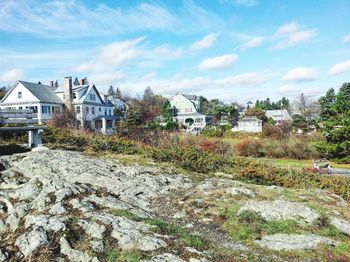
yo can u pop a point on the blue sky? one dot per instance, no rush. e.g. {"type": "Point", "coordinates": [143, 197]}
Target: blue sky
{"type": "Point", "coordinates": [234, 50]}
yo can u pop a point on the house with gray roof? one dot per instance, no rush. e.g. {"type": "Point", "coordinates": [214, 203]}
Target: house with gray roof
{"type": "Point", "coordinates": [37, 97]}
{"type": "Point", "coordinates": [278, 116]}
{"type": "Point", "coordinates": [187, 112]}
{"type": "Point", "coordinates": [90, 108]}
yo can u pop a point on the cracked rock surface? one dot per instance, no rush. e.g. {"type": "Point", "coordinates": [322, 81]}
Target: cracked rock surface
{"type": "Point", "coordinates": [60, 205]}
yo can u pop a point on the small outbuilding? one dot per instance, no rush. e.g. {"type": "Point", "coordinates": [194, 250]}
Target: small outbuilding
{"type": "Point", "coordinates": [248, 124]}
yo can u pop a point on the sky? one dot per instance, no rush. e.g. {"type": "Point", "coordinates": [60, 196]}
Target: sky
{"type": "Point", "coordinates": [233, 50]}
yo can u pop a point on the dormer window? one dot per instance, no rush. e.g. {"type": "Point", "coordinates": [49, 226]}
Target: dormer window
{"type": "Point", "coordinates": [19, 95]}
{"type": "Point", "coordinates": [92, 97]}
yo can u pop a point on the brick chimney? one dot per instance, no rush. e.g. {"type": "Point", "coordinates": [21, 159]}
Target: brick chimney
{"type": "Point", "coordinates": [67, 92]}
{"type": "Point", "coordinates": [82, 81]}
{"type": "Point", "coordinates": [51, 83]}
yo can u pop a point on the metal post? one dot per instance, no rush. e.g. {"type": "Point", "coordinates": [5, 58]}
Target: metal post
{"type": "Point", "coordinates": [30, 138]}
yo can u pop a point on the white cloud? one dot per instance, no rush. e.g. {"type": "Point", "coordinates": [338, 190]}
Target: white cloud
{"type": "Point", "coordinates": [290, 35]}
{"type": "Point", "coordinates": [254, 42]}
{"type": "Point", "coordinates": [253, 78]}
{"type": "Point", "coordinates": [287, 28]}
{"type": "Point", "coordinates": [107, 63]}
{"type": "Point", "coordinates": [12, 75]}
{"type": "Point", "coordinates": [71, 18]}
{"type": "Point", "coordinates": [295, 91]}
{"type": "Point", "coordinates": [347, 38]}
{"type": "Point", "coordinates": [301, 74]}
{"type": "Point", "coordinates": [340, 68]}
{"type": "Point", "coordinates": [218, 63]}
{"type": "Point", "coordinates": [206, 42]}
{"type": "Point", "coordinates": [167, 52]}
{"type": "Point", "coordinates": [246, 2]}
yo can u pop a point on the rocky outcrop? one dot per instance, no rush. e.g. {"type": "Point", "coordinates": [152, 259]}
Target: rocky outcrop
{"type": "Point", "coordinates": [69, 207]}
{"type": "Point", "coordinates": [51, 193]}
{"type": "Point", "coordinates": [294, 242]}
{"type": "Point", "coordinates": [282, 210]}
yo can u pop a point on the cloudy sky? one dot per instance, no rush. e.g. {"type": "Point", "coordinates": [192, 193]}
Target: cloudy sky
{"type": "Point", "coordinates": [235, 50]}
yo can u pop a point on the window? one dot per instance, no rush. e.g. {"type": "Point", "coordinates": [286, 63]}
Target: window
{"type": "Point", "coordinates": [110, 112]}
{"type": "Point", "coordinates": [20, 107]}
{"type": "Point", "coordinates": [105, 111]}
{"type": "Point", "coordinates": [45, 109]}
{"type": "Point", "coordinates": [78, 109]}
{"type": "Point", "coordinates": [87, 110]}
{"type": "Point", "coordinates": [93, 110]}
{"type": "Point", "coordinates": [19, 95]}
{"type": "Point", "coordinates": [100, 109]}
{"type": "Point", "coordinates": [74, 95]}
{"type": "Point", "coordinates": [92, 97]}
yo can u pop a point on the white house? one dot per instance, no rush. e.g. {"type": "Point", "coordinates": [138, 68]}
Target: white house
{"type": "Point", "coordinates": [278, 115]}
{"type": "Point", "coordinates": [40, 98]}
{"type": "Point", "coordinates": [90, 108]}
{"type": "Point", "coordinates": [249, 124]}
{"type": "Point", "coordinates": [187, 112]}
{"type": "Point", "coordinates": [119, 104]}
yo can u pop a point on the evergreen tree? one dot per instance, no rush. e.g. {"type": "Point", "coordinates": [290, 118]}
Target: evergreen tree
{"type": "Point", "coordinates": [76, 82]}
{"type": "Point", "coordinates": [167, 112]}
{"type": "Point", "coordinates": [111, 91]}
{"type": "Point", "coordinates": [335, 116]}
{"type": "Point", "coordinates": [148, 97]}
{"type": "Point", "coordinates": [118, 93]}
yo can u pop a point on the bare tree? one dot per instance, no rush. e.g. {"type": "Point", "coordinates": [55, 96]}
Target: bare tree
{"type": "Point", "coordinates": [307, 108]}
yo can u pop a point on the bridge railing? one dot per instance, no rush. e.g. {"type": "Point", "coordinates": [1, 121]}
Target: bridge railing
{"type": "Point", "coordinates": [18, 116]}
{"type": "Point", "coordinates": [22, 117]}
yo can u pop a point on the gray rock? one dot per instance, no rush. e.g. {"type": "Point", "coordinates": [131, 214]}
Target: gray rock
{"type": "Point", "coordinates": [228, 186]}
{"type": "Point", "coordinates": [27, 191]}
{"type": "Point", "coordinates": [3, 255]}
{"type": "Point", "coordinates": [97, 245]}
{"type": "Point", "coordinates": [341, 224]}
{"type": "Point", "coordinates": [239, 191]}
{"type": "Point", "coordinates": [93, 229]}
{"type": "Point", "coordinates": [2, 227]}
{"type": "Point", "coordinates": [281, 210]}
{"type": "Point", "coordinates": [48, 223]}
{"type": "Point", "coordinates": [28, 242]}
{"type": "Point", "coordinates": [294, 241]}
{"type": "Point", "coordinates": [82, 205]}
{"type": "Point", "coordinates": [13, 221]}
{"type": "Point", "coordinates": [74, 255]}
{"type": "Point", "coordinates": [40, 148]}
{"type": "Point", "coordinates": [57, 209]}
{"type": "Point", "coordinates": [130, 234]}
{"type": "Point", "coordinates": [166, 257]}
{"type": "Point", "coordinates": [192, 259]}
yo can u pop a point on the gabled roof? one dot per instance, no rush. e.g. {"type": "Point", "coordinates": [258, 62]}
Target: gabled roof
{"type": "Point", "coordinates": [250, 119]}
{"type": "Point", "coordinates": [191, 97]}
{"type": "Point", "coordinates": [42, 92]}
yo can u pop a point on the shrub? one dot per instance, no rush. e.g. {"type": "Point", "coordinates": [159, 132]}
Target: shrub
{"type": "Point", "coordinates": [215, 146]}
{"type": "Point", "coordinates": [282, 130]}
{"type": "Point", "coordinates": [289, 148]}
{"type": "Point", "coordinates": [250, 148]}
{"type": "Point", "coordinates": [213, 132]}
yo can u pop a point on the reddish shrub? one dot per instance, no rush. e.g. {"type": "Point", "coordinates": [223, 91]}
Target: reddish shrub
{"type": "Point", "coordinates": [251, 148]}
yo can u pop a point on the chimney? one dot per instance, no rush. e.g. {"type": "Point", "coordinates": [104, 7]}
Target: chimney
{"type": "Point", "coordinates": [82, 82]}
{"type": "Point", "coordinates": [67, 91]}
{"type": "Point", "coordinates": [51, 83]}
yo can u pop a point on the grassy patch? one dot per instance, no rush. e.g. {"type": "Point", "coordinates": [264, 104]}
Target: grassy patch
{"type": "Point", "coordinates": [248, 226]}
{"type": "Point", "coordinates": [163, 227]}
{"type": "Point", "coordinates": [123, 256]}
